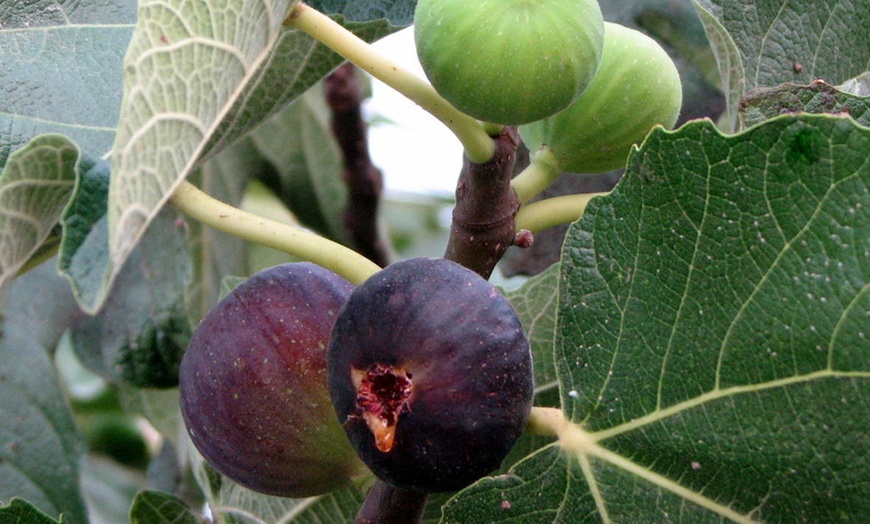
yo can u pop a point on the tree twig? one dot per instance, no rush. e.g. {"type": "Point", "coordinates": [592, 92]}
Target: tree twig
{"type": "Point", "coordinates": [486, 206]}
{"type": "Point", "coordinates": [364, 181]}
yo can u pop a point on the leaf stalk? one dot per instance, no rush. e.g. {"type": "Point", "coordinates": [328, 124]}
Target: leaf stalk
{"type": "Point", "coordinates": [284, 237]}
{"type": "Point", "coordinates": [479, 147]}
{"type": "Point", "coordinates": [550, 212]}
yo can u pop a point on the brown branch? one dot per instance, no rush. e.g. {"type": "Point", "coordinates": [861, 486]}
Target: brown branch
{"type": "Point", "coordinates": [483, 219]}
{"type": "Point", "coordinates": [385, 504]}
{"type": "Point", "coordinates": [344, 94]}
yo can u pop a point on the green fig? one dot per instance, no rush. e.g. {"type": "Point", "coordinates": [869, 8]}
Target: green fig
{"type": "Point", "coordinates": [637, 87]}
{"type": "Point", "coordinates": [509, 61]}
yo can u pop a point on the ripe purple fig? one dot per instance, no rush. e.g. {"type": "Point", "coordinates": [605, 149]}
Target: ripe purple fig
{"type": "Point", "coordinates": [253, 384]}
{"type": "Point", "coordinates": [430, 373]}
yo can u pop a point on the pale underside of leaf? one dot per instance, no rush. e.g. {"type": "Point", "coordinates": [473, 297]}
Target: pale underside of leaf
{"type": "Point", "coordinates": [34, 188]}
{"type": "Point", "coordinates": [186, 66]}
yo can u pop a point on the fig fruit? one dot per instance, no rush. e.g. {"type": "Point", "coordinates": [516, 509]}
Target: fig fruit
{"type": "Point", "coordinates": [509, 61]}
{"type": "Point", "coordinates": [430, 373]}
{"type": "Point", "coordinates": [636, 88]}
{"type": "Point", "coordinates": [253, 388]}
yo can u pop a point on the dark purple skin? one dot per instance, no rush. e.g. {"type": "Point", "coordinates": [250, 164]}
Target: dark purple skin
{"type": "Point", "coordinates": [253, 384]}
{"type": "Point", "coordinates": [469, 367]}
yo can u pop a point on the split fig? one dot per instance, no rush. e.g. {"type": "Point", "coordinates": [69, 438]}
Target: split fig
{"type": "Point", "coordinates": [253, 388]}
{"type": "Point", "coordinates": [636, 88]}
{"type": "Point", "coordinates": [430, 373]}
{"type": "Point", "coordinates": [509, 61]}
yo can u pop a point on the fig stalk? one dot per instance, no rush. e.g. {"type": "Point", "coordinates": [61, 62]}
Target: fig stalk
{"type": "Point", "coordinates": [385, 504]}
{"type": "Point", "coordinates": [551, 212]}
{"type": "Point", "coordinates": [476, 142]}
{"type": "Point", "coordinates": [284, 237]}
{"type": "Point", "coordinates": [540, 173]}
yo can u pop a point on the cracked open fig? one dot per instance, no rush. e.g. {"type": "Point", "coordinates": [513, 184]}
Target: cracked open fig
{"type": "Point", "coordinates": [253, 388]}
{"type": "Point", "coordinates": [509, 61]}
{"type": "Point", "coordinates": [430, 373]}
{"type": "Point", "coordinates": [637, 87]}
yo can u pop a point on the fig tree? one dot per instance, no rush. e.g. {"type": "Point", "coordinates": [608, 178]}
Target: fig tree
{"type": "Point", "coordinates": [253, 385]}
{"type": "Point", "coordinates": [509, 61]}
{"type": "Point", "coordinates": [430, 373]}
{"type": "Point", "coordinates": [637, 87]}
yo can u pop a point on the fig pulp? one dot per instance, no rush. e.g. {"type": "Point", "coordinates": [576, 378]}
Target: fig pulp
{"type": "Point", "coordinates": [253, 385]}
{"type": "Point", "coordinates": [509, 61]}
{"type": "Point", "coordinates": [430, 373]}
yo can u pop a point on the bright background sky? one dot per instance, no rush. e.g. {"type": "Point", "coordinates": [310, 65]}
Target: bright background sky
{"type": "Point", "coordinates": [415, 152]}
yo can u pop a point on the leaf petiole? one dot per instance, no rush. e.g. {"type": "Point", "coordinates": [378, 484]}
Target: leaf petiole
{"type": "Point", "coordinates": [479, 147]}
{"type": "Point", "coordinates": [550, 212]}
{"type": "Point", "coordinates": [290, 239]}
{"type": "Point", "coordinates": [539, 174]}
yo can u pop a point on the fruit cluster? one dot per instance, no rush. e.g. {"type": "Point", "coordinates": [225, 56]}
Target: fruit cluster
{"type": "Point", "coordinates": [586, 88]}
{"type": "Point", "coordinates": [427, 366]}
{"type": "Point", "coordinates": [297, 382]}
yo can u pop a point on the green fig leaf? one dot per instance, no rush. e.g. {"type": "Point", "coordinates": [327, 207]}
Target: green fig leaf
{"type": "Point", "coordinates": [192, 87]}
{"type": "Point", "coordinates": [61, 65]}
{"type": "Point", "coordinates": [138, 338]}
{"type": "Point", "coordinates": [230, 502]}
{"type": "Point", "coordinates": [761, 43]}
{"type": "Point", "coordinates": [768, 102]}
{"type": "Point", "coordinates": [712, 338]}
{"type": "Point", "coordinates": [157, 507]}
{"type": "Point", "coordinates": [19, 511]}
{"type": "Point", "coordinates": [306, 163]}
{"type": "Point", "coordinates": [36, 420]}
{"type": "Point", "coordinates": [400, 13]}
{"type": "Point", "coordinates": [35, 185]}
{"type": "Point", "coordinates": [535, 304]}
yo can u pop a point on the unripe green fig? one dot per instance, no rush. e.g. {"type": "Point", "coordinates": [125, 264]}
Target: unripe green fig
{"type": "Point", "coordinates": [637, 87]}
{"type": "Point", "coordinates": [253, 387]}
{"type": "Point", "coordinates": [509, 61]}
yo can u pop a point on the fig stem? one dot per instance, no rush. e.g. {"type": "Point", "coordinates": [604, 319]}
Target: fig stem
{"type": "Point", "coordinates": [479, 146]}
{"type": "Point", "coordinates": [550, 212]}
{"type": "Point", "coordinates": [540, 173]}
{"type": "Point", "coordinates": [284, 237]}
{"type": "Point", "coordinates": [385, 504]}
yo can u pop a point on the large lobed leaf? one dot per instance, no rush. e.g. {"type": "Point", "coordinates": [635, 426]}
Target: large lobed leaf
{"type": "Point", "coordinates": [763, 43]}
{"type": "Point", "coordinates": [231, 503]}
{"type": "Point", "coordinates": [535, 304]}
{"type": "Point", "coordinates": [713, 338]}
{"type": "Point", "coordinates": [767, 102]}
{"type": "Point", "coordinates": [40, 446]}
{"type": "Point", "coordinates": [35, 185]}
{"type": "Point", "coordinates": [197, 76]}
{"type": "Point", "coordinates": [60, 71]}
{"type": "Point", "coordinates": [399, 12]}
